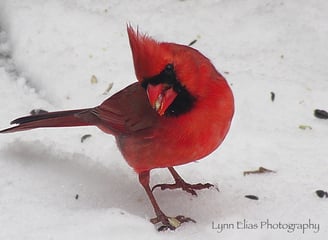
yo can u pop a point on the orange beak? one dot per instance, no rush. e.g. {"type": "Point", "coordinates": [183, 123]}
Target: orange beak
{"type": "Point", "coordinates": [160, 97]}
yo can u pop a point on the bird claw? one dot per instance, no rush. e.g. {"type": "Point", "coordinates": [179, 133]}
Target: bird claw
{"type": "Point", "coordinates": [190, 188]}
{"type": "Point", "coordinates": [170, 223]}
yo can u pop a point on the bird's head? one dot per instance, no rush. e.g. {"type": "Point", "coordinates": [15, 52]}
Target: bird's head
{"type": "Point", "coordinates": [174, 76]}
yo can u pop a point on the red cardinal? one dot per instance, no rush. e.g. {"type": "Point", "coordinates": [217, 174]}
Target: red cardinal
{"type": "Point", "coordinates": [179, 111]}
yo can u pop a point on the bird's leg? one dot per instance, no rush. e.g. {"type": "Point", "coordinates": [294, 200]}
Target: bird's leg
{"type": "Point", "coordinates": [168, 222]}
{"type": "Point", "coordinates": [180, 183]}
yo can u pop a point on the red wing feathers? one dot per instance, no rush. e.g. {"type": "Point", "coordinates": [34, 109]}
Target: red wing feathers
{"type": "Point", "coordinates": [126, 111]}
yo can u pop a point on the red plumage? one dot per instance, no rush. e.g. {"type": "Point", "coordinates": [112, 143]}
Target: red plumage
{"type": "Point", "coordinates": [179, 111]}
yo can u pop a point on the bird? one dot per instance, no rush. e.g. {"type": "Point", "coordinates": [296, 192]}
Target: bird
{"type": "Point", "coordinates": [178, 111]}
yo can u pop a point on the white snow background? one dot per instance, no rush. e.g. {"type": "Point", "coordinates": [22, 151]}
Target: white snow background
{"type": "Point", "coordinates": [49, 51]}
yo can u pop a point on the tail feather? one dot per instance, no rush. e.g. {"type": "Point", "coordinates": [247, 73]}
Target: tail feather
{"type": "Point", "coordinates": [68, 118]}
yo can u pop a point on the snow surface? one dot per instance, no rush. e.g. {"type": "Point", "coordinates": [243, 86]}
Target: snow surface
{"type": "Point", "coordinates": [49, 51]}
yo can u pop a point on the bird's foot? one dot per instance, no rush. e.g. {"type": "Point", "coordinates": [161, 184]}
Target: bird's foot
{"type": "Point", "coordinates": [190, 188]}
{"type": "Point", "coordinates": [170, 223]}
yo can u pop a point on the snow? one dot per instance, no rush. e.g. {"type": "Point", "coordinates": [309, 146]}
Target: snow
{"type": "Point", "coordinates": [52, 186]}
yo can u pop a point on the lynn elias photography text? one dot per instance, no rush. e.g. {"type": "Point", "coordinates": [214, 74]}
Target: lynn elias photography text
{"type": "Point", "coordinates": [267, 224]}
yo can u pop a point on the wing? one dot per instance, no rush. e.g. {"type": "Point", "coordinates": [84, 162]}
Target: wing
{"type": "Point", "coordinates": [125, 112]}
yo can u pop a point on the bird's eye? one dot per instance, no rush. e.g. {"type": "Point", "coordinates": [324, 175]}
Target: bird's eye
{"type": "Point", "coordinates": [169, 68]}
